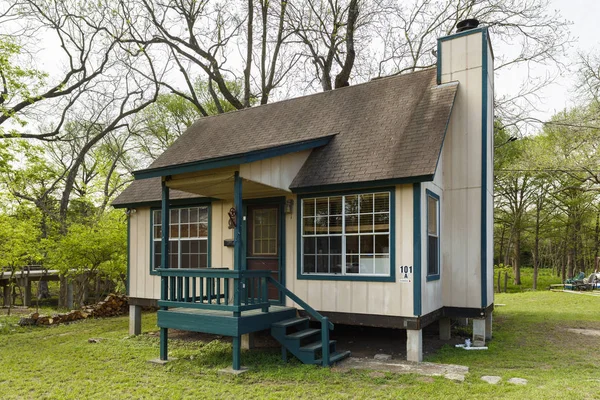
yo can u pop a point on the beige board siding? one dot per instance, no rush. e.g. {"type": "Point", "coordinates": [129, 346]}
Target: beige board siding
{"type": "Point", "coordinates": [277, 172]}
{"type": "Point", "coordinates": [462, 61]}
{"type": "Point", "coordinates": [142, 284]}
{"type": "Point", "coordinates": [381, 298]}
{"type": "Point", "coordinates": [431, 292]}
{"type": "Point", "coordinates": [147, 286]}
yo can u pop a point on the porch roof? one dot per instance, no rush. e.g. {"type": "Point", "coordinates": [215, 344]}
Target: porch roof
{"type": "Point", "coordinates": [148, 191]}
{"type": "Point", "coordinates": [385, 130]}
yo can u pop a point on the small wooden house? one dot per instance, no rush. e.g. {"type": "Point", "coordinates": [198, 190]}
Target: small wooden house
{"type": "Point", "coordinates": [367, 205]}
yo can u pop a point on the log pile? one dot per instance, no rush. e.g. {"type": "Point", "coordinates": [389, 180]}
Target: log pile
{"type": "Point", "coordinates": [113, 305]}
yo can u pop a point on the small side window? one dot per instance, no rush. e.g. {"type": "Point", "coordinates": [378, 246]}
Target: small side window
{"type": "Point", "coordinates": [433, 235]}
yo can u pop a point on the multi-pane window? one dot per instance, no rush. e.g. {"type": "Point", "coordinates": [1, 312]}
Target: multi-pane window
{"type": "Point", "coordinates": [433, 236]}
{"type": "Point", "coordinates": [346, 235]}
{"type": "Point", "coordinates": [188, 237]}
{"type": "Point", "coordinates": [265, 231]}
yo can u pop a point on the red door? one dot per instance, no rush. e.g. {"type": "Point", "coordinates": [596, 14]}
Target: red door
{"type": "Point", "coordinates": [263, 241]}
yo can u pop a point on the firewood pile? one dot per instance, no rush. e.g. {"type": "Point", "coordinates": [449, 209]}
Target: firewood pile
{"type": "Point", "coordinates": [113, 305]}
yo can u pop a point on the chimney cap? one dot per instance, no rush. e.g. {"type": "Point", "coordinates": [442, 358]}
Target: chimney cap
{"type": "Point", "coordinates": [467, 24]}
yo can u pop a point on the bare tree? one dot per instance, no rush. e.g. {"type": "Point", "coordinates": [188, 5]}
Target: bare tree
{"type": "Point", "coordinates": [221, 44]}
{"type": "Point", "coordinates": [106, 82]}
{"type": "Point", "coordinates": [331, 33]}
{"type": "Point", "coordinates": [534, 33]}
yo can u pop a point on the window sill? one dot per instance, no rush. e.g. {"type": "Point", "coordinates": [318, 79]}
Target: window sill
{"type": "Point", "coordinates": [317, 277]}
{"type": "Point", "coordinates": [435, 277]}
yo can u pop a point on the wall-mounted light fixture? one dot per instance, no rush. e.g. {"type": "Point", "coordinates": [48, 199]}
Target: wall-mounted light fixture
{"type": "Point", "coordinates": [289, 206]}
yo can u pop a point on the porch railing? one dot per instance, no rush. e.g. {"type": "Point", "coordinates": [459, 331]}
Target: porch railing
{"type": "Point", "coordinates": [229, 290]}
{"type": "Point", "coordinates": [214, 289]}
{"type": "Point", "coordinates": [326, 325]}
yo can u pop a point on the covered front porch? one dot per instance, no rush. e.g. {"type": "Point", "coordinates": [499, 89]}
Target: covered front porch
{"type": "Point", "coordinates": [248, 296]}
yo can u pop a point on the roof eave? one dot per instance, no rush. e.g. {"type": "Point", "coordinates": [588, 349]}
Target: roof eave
{"type": "Point", "coordinates": [362, 185]}
{"type": "Point", "coordinates": [234, 159]}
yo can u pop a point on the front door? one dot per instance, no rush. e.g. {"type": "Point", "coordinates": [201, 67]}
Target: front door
{"type": "Point", "coordinates": [263, 241]}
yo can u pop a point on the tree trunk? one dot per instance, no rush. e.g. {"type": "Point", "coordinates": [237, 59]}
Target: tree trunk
{"type": "Point", "coordinates": [43, 291]}
{"type": "Point", "coordinates": [517, 257]}
{"type": "Point", "coordinates": [501, 249]}
{"type": "Point", "coordinates": [536, 247]}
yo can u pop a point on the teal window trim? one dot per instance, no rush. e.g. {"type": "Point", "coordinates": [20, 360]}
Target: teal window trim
{"type": "Point", "coordinates": [201, 203]}
{"type": "Point", "coordinates": [433, 277]}
{"type": "Point", "coordinates": [340, 277]}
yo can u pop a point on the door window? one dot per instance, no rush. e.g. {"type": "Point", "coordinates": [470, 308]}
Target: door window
{"type": "Point", "coordinates": [264, 229]}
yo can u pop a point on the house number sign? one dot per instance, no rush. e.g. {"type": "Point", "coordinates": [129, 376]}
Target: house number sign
{"type": "Point", "coordinates": [406, 273]}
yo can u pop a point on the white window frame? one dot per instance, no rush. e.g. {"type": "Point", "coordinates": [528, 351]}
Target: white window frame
{"type": "Point", "coordinates": [179, 239]}
{"type": "Point", "coordinates": [343, 235]}
{"type": "Point", "coordinates": [431, 195]}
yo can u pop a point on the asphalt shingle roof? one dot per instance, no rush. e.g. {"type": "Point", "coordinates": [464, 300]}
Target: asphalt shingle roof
{"type": "Point", "coordinates": [147, 191]}
{"type": "Point", "coordinates": [387, 128]}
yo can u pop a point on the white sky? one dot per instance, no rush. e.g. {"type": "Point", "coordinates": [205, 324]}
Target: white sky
{"type": "Point", "coordinates": [584, 16]}
{"type": "Point", "coordinates": [582, 13]}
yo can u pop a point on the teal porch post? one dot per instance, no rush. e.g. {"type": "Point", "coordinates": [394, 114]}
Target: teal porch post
{"type": "Point", "coordinates": [164, 263]}
{"type": "Point", "coordinates": [237, 261]}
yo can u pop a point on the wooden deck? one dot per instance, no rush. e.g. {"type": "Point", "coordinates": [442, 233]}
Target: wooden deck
{"type": "Point", "coordinates": [222, 322]}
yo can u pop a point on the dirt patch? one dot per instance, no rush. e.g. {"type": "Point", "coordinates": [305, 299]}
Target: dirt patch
{"type": "Point", "coordinates": [365, 342]}
{"type": "Point", "coordinates": [16, 310]}
{"type": "Point", "coordinates": [450, 371]}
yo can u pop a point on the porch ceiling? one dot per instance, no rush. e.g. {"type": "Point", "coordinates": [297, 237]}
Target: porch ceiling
{"type": "Point", "coordinates": [219, 184]}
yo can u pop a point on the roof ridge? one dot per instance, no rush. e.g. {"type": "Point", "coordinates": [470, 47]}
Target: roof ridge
{"type": "Point", "coordinates": [376, 79]}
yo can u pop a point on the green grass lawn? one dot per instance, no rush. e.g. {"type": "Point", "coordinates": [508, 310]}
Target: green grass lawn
{"type": "Point", "coordinates": [545, 279]}
{"type": "Point", "coordinates": [531, 341]}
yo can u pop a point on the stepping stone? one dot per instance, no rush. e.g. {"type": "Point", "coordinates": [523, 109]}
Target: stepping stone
{"type": "Point", "coordinates": [382, 357]}
{"type": "Point", "coordinates": [492, 380]}
{"type": "Point", "coordinates": [518, 381]}
{"type": "Point", "coordinates": [455, 377]}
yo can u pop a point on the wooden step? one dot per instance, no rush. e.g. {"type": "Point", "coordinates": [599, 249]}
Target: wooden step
{"type": "Point", "coordinates": [290, 322]}
{"type": "Point", "coordinates": [335, 357]}
{"type": "Point", "coordinates": [315, 346]}
{"type": "Point", "coordinates": [303, 334]}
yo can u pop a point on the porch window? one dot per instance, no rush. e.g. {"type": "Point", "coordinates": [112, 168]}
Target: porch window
{"type": "Point", "coordinates": [188, 237]}
{"type": "Point", "coordinates": [346, 235]}
{"type": "Point", "coordinates": [433, 236]}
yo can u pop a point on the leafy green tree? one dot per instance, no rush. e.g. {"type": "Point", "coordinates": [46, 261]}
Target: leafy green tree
{"type": "Point", "coordinates": [92, 250]}
{"type": "Point", "coordinates": [19, 246]}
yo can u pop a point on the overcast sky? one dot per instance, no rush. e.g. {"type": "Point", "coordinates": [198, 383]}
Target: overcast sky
{"type": "Point", "coordinates": [584, 14]}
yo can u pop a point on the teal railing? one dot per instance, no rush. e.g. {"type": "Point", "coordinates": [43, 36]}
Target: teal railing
{"type": "Point", "coordinates": [229, 290]}
{"type": "Point", "coordinates": [214, 289]}
{"type": "Point", "coordinates": [326, 325]}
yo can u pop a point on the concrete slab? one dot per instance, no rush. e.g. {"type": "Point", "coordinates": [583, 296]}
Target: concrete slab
{"type": "Point", "coordinates": [455, 377]}
{"type": "Point", "coordinates": [449, 371]}
{"type": "Point", "coordinates": [232, 371]}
